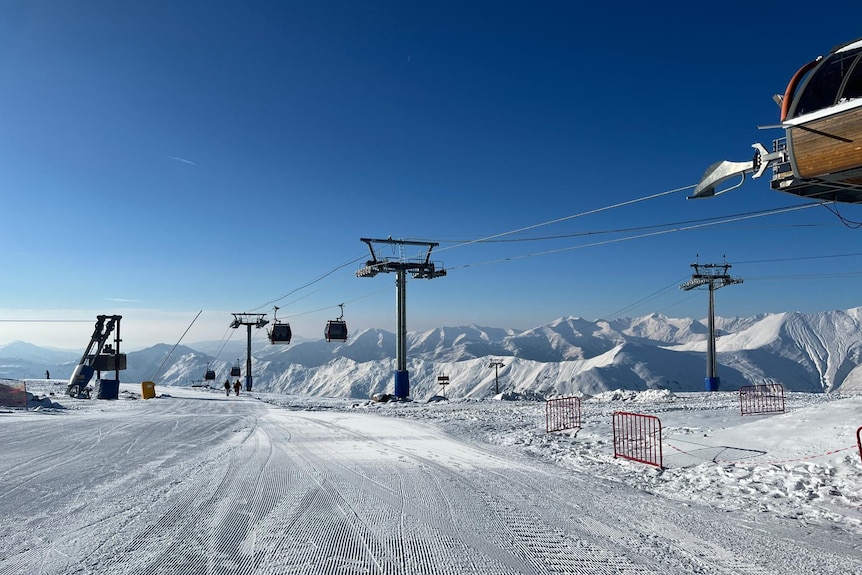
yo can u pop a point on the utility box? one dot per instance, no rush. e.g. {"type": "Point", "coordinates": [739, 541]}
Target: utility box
{"type": "Point", "coordinates": [148, 389]}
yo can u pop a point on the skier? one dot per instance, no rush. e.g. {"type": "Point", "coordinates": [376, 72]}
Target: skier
{"type": "Point", "coordinates": [227, 387]}
{"type": "Point", "coordinates": [236, 386]}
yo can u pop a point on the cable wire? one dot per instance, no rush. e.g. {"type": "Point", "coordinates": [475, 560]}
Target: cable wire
{"type": "Point", "coordinates": [312, 282]}
{"type": "Point", "coordinates": [573, 216]}
{"type": "Point", "coordinates": [153, 378]}
{"type": "Point", "coordinates": [639, 236]}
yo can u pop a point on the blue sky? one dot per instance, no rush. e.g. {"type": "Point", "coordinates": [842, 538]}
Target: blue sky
{"type": "Point", "coordinates": [160, 158]}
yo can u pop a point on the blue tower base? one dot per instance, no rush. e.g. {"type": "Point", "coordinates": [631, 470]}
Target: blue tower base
{"type": "Point", "coordinates": [402, 384]}
{"type": "Point", "coordinates": [711, 383]}
{"type": "Point", "coordinates": [108, 389]}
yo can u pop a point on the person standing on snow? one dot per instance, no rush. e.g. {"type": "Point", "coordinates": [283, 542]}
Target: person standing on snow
{"type": "Point", "coordinates": [236, 386]}
{"type": "Point", "coordinates": [227, 387]}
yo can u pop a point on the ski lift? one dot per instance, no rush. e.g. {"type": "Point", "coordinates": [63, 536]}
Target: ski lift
{"type": "Point", "coordinates": [210, 374]}
{"type": "Point", "coordinates": [819, 156]}
{"type": "Point", "coordinates": [235, 370]}
{"type": "Point", "coordinates": [336, 329]}
{"type": "Point", "coordinates": [280, 331]}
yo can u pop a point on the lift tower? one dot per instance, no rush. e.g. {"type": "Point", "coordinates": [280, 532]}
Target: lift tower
{"type": "Point", "coordinates": [496, 364]}
{"type": "Point", "coordinates": [715, 276]}
{"type": "Point", "coordinates": [99, 356]}
{"type": "Point", "coordinates": [257, 320]}
{"type": "Point", "coordinates": [421, 268]}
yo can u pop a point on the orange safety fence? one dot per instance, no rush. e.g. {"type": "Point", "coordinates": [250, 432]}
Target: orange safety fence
{"type": "Point", "coordinates": [638, 437]}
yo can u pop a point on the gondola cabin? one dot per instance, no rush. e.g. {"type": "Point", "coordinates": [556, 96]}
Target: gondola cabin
{"type": "Point", "coordinates": [209, 375]}
{"type": "Point", "coordinates": [235, 371]}
{"type": "Point", "coordinates": [280, 333]}
{"type": "Point", "coordinates": [820, 156]}
{"type": "Point", "coordinates": [336, 330]}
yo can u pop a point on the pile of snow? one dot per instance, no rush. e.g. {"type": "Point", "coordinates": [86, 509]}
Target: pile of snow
{"type": "Point", "coordinates": [519, 396]}
{"type": "Point", "coordinates": [648, 396]}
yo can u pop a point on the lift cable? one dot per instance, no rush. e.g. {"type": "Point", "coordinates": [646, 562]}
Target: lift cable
{"type": "Point", "coordinates": [312, 282]}
{"type": "Point", "coordinates": [570, 217]}
{"type": "Point", "coordinates": [225, 339]}
{"type": "Point", "coordinates": [639, 236]}
{"type": "Point", "coordinates": [369, 294]}
{"type": "Point", "coordinates": [46, 320]}
{"type": "Point", "coordinates": [799, 258]}
{"type": "Point", "coordinates": [754, 278]}
{"type": "Point", "coordinates": [804, 276]}
{"type": "Point", "coordinates": [496, 237]}
{"type": "Point", "coordinates": [847, 222]}
{"type": "Point", "coordinates": [153, 378]}
{"type": "Point", "coordinates": [768, 211]}
{"type": "Point", "coordinates": [674, 284]}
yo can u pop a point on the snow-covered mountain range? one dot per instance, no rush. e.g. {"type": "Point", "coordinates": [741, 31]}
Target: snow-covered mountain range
{"type": "Point", "coordinates": [815, 352]}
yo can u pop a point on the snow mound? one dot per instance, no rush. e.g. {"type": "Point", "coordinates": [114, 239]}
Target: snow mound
{"type": "Point", "coordinates": [519, 396]}
{"type": "Point", "coordinates": [648, 396]}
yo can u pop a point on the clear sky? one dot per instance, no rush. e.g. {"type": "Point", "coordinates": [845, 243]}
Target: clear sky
{"type": "Point", "coordinates": [159, 158]}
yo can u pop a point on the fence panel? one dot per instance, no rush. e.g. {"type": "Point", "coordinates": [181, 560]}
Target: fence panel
{"type": "Point", "coordinates": [562, 413]}
{"type": "Point", "coordinates": [13, 394]}
{"type": "Point", "coordinates": [637, 437]}
{"type": "Point", "coordinates": [764, 398]}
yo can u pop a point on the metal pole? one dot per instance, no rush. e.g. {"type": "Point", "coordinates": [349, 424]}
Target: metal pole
{"type": "Point", "coordinates": [712, 381]}
{"type": "Point", "coordinates": [402, 377]}
{"type": "Point", "coordinates": [401, 343]}
{"type": "Point", "coordinates": [710, 363]}
{"type": "Point", "coordinates": [496, 378]}
{"type": "Point", "coordinates": [248, 361]}
{"type": "Point", "coordinates": [117, 353]}
{"type": "Point", "coordinates": [496, 365]}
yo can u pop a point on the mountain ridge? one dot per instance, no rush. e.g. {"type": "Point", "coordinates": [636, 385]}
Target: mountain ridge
{"type": "Point", "coordinates": [817, 352]}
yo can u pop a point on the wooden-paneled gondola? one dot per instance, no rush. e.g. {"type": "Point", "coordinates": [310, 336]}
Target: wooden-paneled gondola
{"type": "Point", "coordinates": [820, 155]}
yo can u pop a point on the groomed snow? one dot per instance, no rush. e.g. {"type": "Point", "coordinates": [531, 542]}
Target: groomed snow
{"type": "Point", "coordinates": [739, 494]}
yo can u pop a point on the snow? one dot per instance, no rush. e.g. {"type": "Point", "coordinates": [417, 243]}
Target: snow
{"type": "Point", "coordinates": [457, 486]}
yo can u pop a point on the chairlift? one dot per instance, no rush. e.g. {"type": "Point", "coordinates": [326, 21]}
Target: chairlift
{"type": "Point", "coordinates": [280, 331]}
{"type": "Point", "coordinates": [235, 371]}
{"type": "Point", "coordinates": [336, 329]}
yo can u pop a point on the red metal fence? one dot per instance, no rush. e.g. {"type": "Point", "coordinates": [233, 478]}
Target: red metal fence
{"type": "Point", "coordinates": [637, 437]}
{"type": "Point", "coordinates": [13, 394]}
{"type": "Point", "coordinates": [562, 413]}
{"type": "Point", "coordinates": [765, 398]}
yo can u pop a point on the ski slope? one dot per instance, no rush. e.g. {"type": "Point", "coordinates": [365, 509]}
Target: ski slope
{"type": "Point", "coordinates": [194, 482]}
